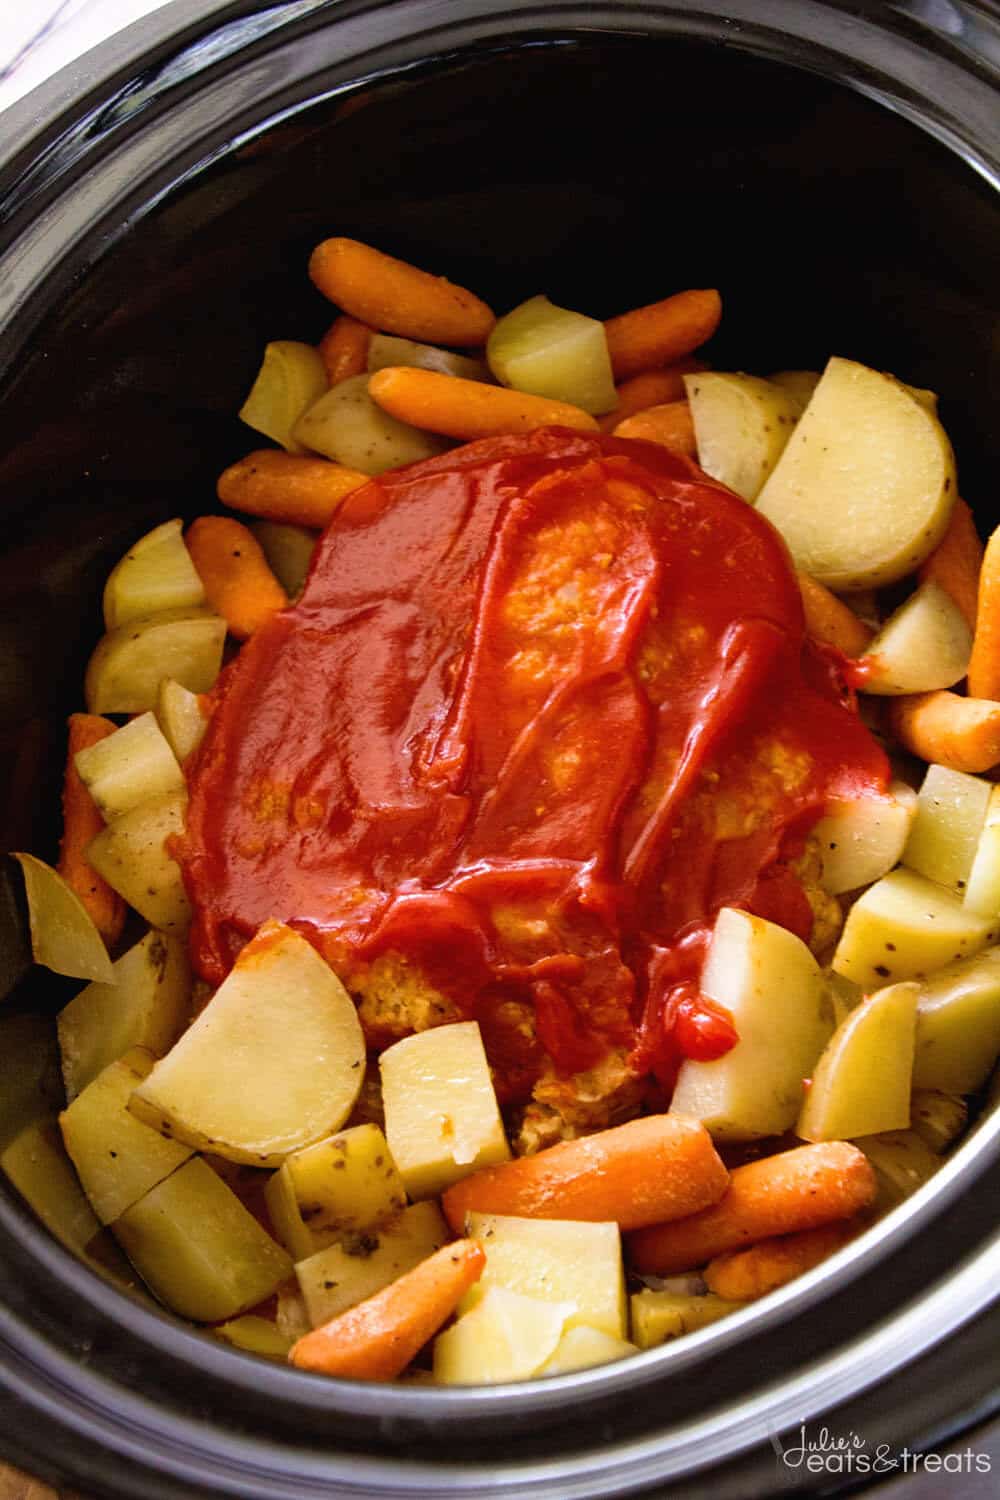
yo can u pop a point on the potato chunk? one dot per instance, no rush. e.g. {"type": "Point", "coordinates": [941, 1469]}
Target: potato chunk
{"type": "Point", "coordinates": [982, 889]}
{"type": "Point", "coordinates": [291, 377]}
{"type": "Point", "coordinates": [342, 1275]}
{"type": "Point", "coordinates": [861, 1085]}
{"type": "Point", "coordinates": [581, 1348]}
{"type": "Point", "coordinates": [180, 716]}
{"type": "Point", "coordinates": [772, 986]}
{"type": "Point", "coordinates": [951, 814]}
{"type": "Point", "coordinates": [658, 1316]}
{"type": "Point", "coordinates": [386, 349]}
{"type": "Point", "coordinates": [862, 839]}
{"type": "Point", "coordinates": [958, 1025]}
{"type": "Point", "coordinates": [347, 1183]}
{"type": "Point", "coordinates": [925, 644]}
{"type": "Point", "coordinates": [741, 425]}
{"type": "Point", "coordinates": [902, 1163]}
{"type": "Point", "coordinates": [132, 855]}
{"type": "Point", "coordinates": [905, 926]}
{"type": "Point", "coordinates": [505, 1337]}
{"type": "Point", "coordinates": [283, 1035]}
{"type": "Point", "coordinates": [37, 1164]}
{"type": "Point", "coordinates": [63, 935]}
{"type": "Point", "coordinates": [938, 1118]}
{"type": "Point", "coordinates": [130, 662]}
{"type": "Point", "coordinates": [347, 425]}
{"type": "Point", "coordinates": [128, 767]}
{"type": "Point", "coordinates": [289, 551]}
{"type": "Point", "coordinates": [546, 350]}
{"type": "Point", "coordinates": [156, 573]}
{"type": "Point", "coordinates": [441, 1115]}
{"type": "Point", "coordinates": [198, 1249]}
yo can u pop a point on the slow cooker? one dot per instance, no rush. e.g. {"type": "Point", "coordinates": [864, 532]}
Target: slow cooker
{"type": "Point", "coordinates": [834, 169]}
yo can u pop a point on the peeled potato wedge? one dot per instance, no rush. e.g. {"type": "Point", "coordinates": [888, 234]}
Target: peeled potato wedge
{"type": "Point", "coordinates": [179, 715]}
{"type": "Point", "coordinates": [156, 573]}
{"type": "Point", "coordinates": [289, 551]}
{"type": "Point", "coordinates": [63, 935]}
{"type": "Point", "coordinates": [860, 840]}
{"type": "Point", "coordinates": [291, 377]}
{"type": "Point", "coordinates": [132, 855]}
{"type": "Point", "coordinates": [947, 828]}
{"type": "Point", "coordinates": [798, 385]}
{"type": "Point", "coordinates": [905, 927]}
{"type": "Point", "coordinates": [581, 1347]}
{"type": "Point", "coordinates": [273, 1063]}
{"type": "Point", "coordinates": [129, 663]}
{"type": "Point", "coordinates": [346, 425]}
{"type": "Point", "coordinates": [865, 487]}
{"type": "Point", "coordinates": [37, 1164]}
{"type": "Point", "coordinates": [924, 645]}
{"type": "Point", "coordinates": [386, 349]}
{"type": "Point", "coordinates": [982, 889]}
{"type": "Point", "coordinates": [741, 426]}
{"type": "Point", "coordinates": [128, 767]}
{"type": "Point", "coordinates": [958, 1025]}
{"type": "Point", "coordinates": [861, 1084]}
{"type": "Point", "coordinates": [505, 1337]}
{"type": "Point", "coordinates": [550, 351]}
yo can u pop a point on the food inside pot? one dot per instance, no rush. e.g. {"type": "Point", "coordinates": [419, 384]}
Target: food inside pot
{"type": "Point", "coordinates": [570, 912]}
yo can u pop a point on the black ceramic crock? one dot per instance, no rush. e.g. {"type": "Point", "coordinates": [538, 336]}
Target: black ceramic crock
{"type": "Point", "coordinates": [833, 168]}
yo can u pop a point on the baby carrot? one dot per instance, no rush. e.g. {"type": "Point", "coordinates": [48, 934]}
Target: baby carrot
{"type": "Point", "coordinates": [467, 409]}
{"type": "Point", "coordinates": [956, 561]}
{"type": "Point", "coordinates": [984, 664]}
{"type": "Point", "coordinates": [344, 349]}
{"type": "Point", "coordinates": [651, 388]}
{"type": "Point", "coordinates": [661, 332]}
{"type": "Point", "coordinates": [744, 1275]}
{"type": "Point", "coordinates": [239, 585]}
{"type": "Point", "coordinates": [960, 733]}
{"type": "Point", "coordinates": [81, 823]}
{"type": "Point", "coordinates": [799, 1189]}
{"type": "Point", "coordinates": [284, 486]}
{"type": "Point", "coordinates": [656, 1168]}
{"type": "Point", "coordinates": [670, 425]}
{"type": "Point", "coordinates": [829, 619]}
{"type": "Point", "coordinates": [377, 1339]}
{"type": "Point", "coordinates": [393, 296]}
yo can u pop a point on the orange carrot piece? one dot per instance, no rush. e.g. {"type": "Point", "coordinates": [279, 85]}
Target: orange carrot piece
{"type": "Point", "coordinates": [651, 388]}
{"type": "Point", "coordinates": [377, 1339]}
{"type": "Point", "coordinates": [239, 585]}
{"type": "Point", "coordinates": [829, 619]}
{"type": "Point", "coordinates": [468, 409]}
{"type": "Point", "coordinates": [656, 1168]}
{"type": "Point", "coordinates": [661, 332]}
{"type": "Point", "coordinates": [983, 677]}
{"type": "Point", "coordinates": [960, 733]}
{"type": "Point", "coordinates": [344, 348]}
{"type": "Point", "coordinates": [956, 561]}
{"type": "Point", "coordinates": [396, 297]}
{"type": "Point", "coordinates": [81, 823]}
{"type": "Point", "coordinates": [287, 486]}
{"type": "Point", "coordinates": [745, 1275]}
{"type": "Point", "coordinates": [799, 1189]}
{"type": "Point", "coordinates": [669, 425]}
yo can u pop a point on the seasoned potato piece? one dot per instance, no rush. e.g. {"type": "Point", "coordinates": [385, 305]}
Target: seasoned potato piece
{"type": "Point", "coordinates": [63, 935]}
{"type": "Point", "coordinates": [132, 855]}
{"type": "Point", "coordinates": [658, 1316]}
{"type": "Point", "coordinates": [117, 1158]}
{"type": "Point", "coordinates": [982, 889]}
{"type": "Point", "coordinates": [283, 1033]}
{"type": "Point", "coordinates": [865, 487]}
{"type": "Point", "coordinates": [505, 1337]}
{"type": "Point", "coordinates": [347, 1183]}
{"type": "Point", "coordinates": [925, 644]}
{"type": "Point", "coordinates": [130, 662]}
{"type": "Point", "coordinates": [938, 1118]}
{"type": "Point", "coordinates": [198, 1249]}
{"type": "Point", "coordinates": [741, 425]}
{"type": "Point", "coordinates": [289, 1227]}
{"type": "Point", "coordinates": [145, 1006]}
{"type": "Point", "coordinates": [906, 926]}
{"type": "Point", "coordinates": [289, 551]}
{"type": "Point", "coordinates": [772, 986]}
{"type": "Point", "coordinates": [958, 1025]}
{"type": "Point", "coordinates": [349, 427]}
{"type": "Point", "coordinates": [291, 377]}
{"type": "Point", "coordinates": [342, 1275]}
{"type": "Point", "coordinates": [30, 1086]}
{"type": "Point", "coordinates": [386, 349]}
{"type": "Point", "coordinates": [180, 716]}
{"type": "Point", "coordinates": [441, 1116]}
{"type": "Point", "coordinates": [902, 1163]}
{"type": "Point", "coordinates": [37, 1164]}
{"type": "Point", "coordinates": [128, 767]}
{"type": "Point", "coordinates": [156, 573]}
{"type": "Point", "coordinates": [798, 385]}
{"type": "Point", "coordinates": [951, 813]}
{"type": "Point", "coordinates": [862, 839]}
{"type": "Point", "coordinates": [861, 1085]}
{"type": "Point", "coordinates": [581, 1347]}
{"type": "Point", "coordinates": [256, 1335]}
{"type": "Point", "coordinates": [546, 350]}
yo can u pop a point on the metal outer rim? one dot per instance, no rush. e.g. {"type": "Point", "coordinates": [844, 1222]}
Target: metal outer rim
{"type": "Point", "coordinates": [129, 1426]}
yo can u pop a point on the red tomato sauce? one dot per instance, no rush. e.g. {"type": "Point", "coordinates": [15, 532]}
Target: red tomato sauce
{"type": "Point", "coordinates": [545, 705]}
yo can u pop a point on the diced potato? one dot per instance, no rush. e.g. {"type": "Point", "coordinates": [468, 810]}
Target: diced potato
{"type": "Point", "coordinates": [347, 1183]}
{"type": "Point", "coordinates": [861, 1085]}
{"type": "Point", "coordinates": [63, 935]}
{"type": "Point", "coordinates": [117, 1158]}
{"type": "Point", "coordinates": [924, 644]}
{"type": "Point", "coordinates": [550, 351]}
{"type": "Point", "coordinates": [289, 1227]}
{"type": "Point", "coordinates": [256, 1335]}
{"type": "Point", "coordinates": [30, 1086]}
{"type": "Point", "coordinates": [146, 1007]}
{"type": "Point", "coordinates": [772, 986]}
{"type": "Point", "coordinates": [658, 1316]}
{"type": "Point", "coordinates": [505, 1337]}
{"type": "Point", "coordinates": [180, 716]}
{"type": "Point", "coordinates": [132, 855]}
{"type": "Point", "coordinates": [130, 662]}
{"type": "Point", "coordinates": [862, 839]}
{"type": "Point", "coordinates": [349, 427]}
{"type": "Point", "coordinates": [982, 889]}
{"type": "Point", "coordinates": [129, 766]}
{"type": "Point", "coordinates": [951, 812]}
{"type": "Point", "coordinates": [156, 573]}
{"type": "Point", "coordinates": [273, 1063]}
{"type": "Point", "coordinates": [844, 995]}
{"type": "Point", "coordinates": [442, 1120]}
{"type": "Point", "coordinates": [866, 485]}
{"type": "Point", "coordinates": [902, 1163]}
{"type": "Point", "coordinates": [581, 1347]}
{"type": "Point", "coordinates": [289, 551]}
{"type": "Point", "coordinates": [386, 349]}
{"type": "Point", "coordinates": [903, 927]}
{"type": "Point", "coordinates": [741, 424]}
{"type": "Point", "coordinates": [37, 1164]}
{"type": "Point", "coordinates": [554, 1260]}
{"type": "Point", "coordinates": [198, 1249]}
{"type": "Point", "coordinates": [958, 1025]}
{"type": "Point", "coordinates": [938, 1118]}
{"type": "Point", "coordinates": [291, 377]}
{"type": "Point", "coordinates": [798, 385]}
{"type": "Point", "coordinates": [343, 1275]}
